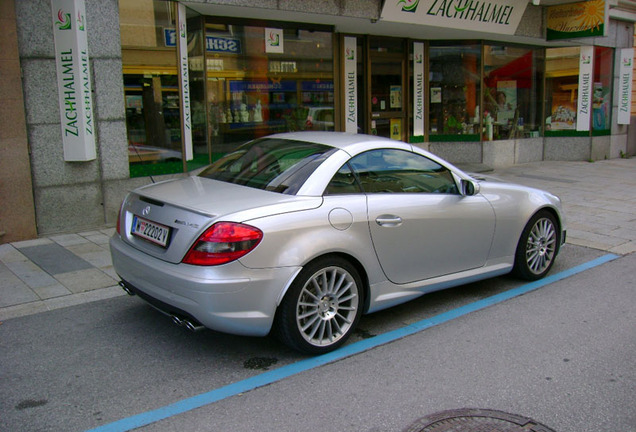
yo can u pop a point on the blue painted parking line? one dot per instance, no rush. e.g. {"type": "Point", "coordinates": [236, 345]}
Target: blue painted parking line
{"type": "Point", "coordinates": [273, 376]}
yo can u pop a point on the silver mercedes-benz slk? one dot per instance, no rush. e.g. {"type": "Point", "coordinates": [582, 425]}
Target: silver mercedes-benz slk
{"type": "Point", "coordinates": [299, 234]}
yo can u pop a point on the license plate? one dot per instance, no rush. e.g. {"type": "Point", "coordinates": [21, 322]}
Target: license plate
{"type": "Point", "coordinates": [150, 231]}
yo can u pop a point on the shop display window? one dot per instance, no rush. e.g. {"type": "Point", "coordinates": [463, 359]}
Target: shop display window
{"type": "Point", "coordinates": [602, 90]}
{"type": "Point", "coordinates": [513, 79]}
{"type": "Point", "coordinates": [454, 86]}
{"type": "Point", "coordinates": [387, 55]}
{"type": "Point", "coordinates": [562, 84]}
{"type": "Point", "coordinates": [386, 99]}
{"type": "Point", "coordinates": [245, 81]}
{"type": "Point", "coordinates": [151, 88]}
{"type": "Point", "coordinates": [562, 89]}
{"type": "Point", "coordinates": [255, 89]}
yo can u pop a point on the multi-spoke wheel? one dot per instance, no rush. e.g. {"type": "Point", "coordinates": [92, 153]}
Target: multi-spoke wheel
{"type": "Point", "coordinates": [322, 306]}
{"type": "Point", "coordinates": [538, 246]}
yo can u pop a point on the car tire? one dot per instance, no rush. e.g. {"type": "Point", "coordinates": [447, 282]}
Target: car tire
{"type": "Point", "coordinates": [538, 247]}
{"type": "Point", "coordinates": [322, 306]}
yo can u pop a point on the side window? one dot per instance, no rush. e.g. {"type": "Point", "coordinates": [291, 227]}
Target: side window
{"type": "Point", "coordinates": [344, 182]}
{"type": "Point", "coordinates": [399, 171]}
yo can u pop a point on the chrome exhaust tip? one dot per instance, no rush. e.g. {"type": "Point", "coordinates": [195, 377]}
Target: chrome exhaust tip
{"type": "Point", "coordinates": [185, 322]}
{"type": "Point", "coordinates": [192, 327]}
{"type": "Point", "coordinates": [126, 288]}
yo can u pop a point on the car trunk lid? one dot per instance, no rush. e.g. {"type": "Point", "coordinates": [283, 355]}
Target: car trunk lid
{"type": "Point", "coordinates": [165, 219]}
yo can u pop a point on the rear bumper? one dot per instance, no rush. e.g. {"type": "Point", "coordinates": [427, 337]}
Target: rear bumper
{"type": "Point", "coordinates": [229, 298]}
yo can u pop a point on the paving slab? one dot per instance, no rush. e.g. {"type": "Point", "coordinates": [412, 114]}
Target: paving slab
{"type": "Point", "coordinates": [54, 259]}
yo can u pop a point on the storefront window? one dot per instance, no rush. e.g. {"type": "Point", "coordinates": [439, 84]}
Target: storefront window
{"type": "Point", "coordinates": [151, 87]}
{"type": "Point", "coordinates": [562, 83]}
{"type": "Point", "coordinates": [454, 85]}
{"type": "Point", "coordinates": [512, 81]}
{"type": "Point", "coordinates": [602, 90]}
{"type": "Point", "coordinates": [244, 82]}
{"type": "Point", "coordinates": [562, 91]}
{"type": "Point", "coordinates": [388, 108]}
{"type": "Point", "coordinates": [263, 80]}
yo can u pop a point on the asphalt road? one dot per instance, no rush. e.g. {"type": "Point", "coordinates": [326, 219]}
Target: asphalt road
{"type": "Point", "coordinates": [563, 354]}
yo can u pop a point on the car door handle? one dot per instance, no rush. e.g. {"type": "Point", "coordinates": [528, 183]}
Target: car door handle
{"type": "Point", "coordinates": [388, 220]}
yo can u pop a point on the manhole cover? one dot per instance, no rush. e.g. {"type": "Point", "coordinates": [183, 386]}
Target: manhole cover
{"type": "Point", "coordinates": [476, 420]}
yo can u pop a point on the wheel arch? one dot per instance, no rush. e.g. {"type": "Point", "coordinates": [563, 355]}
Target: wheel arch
{"type": "Point", "coordinates": [351, 260]}
{"type": "Point", "coordinates": [557, 217]}
{"type": "Point", "coordinates": [520, 266]}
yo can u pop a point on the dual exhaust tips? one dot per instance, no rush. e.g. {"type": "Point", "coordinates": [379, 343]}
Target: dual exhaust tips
{"type": "Point", "coordinates": [191, 325]}
{"type": "Point", "coordinates": [184, 322]}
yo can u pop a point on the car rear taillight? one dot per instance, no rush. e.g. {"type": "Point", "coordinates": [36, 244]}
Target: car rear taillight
{"type": "Point", "coordinates": [222, 243]}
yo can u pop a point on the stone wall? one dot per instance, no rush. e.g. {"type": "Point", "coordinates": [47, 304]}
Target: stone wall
{"type": "Point", "coordinates": [17, 212]}
{"type": "Point", "coordinates": [73, 195]}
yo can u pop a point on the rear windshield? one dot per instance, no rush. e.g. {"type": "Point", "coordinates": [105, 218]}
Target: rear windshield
{"type": "Point", "coordinates": [271, 164]}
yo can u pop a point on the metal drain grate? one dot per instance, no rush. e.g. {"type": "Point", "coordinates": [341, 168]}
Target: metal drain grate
{"type": "Point", "coordinates": [476, 420]}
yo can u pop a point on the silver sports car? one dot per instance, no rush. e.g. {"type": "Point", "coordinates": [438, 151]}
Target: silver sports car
{"type": "Point", "coordinates": [299, 234]}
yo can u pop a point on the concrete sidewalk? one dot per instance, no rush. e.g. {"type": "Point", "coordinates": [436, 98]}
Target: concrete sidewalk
{"type": "Point", "coordinates": [64, 270]}
{"type": "Point", "coordinates": [55, 272]}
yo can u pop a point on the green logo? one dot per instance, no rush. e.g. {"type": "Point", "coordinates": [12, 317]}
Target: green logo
{"type": "Point", "coordinates": [80, 22]}
{"type": "Point", "coordinates": [274, 39]}
{"type": "Point", "coordinates": [63, 20]}
{"type": "Point", "coordinates": [409, 5]}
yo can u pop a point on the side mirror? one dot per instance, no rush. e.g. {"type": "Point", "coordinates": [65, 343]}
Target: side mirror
{"type": "Point", "coordinates": [469, 188]}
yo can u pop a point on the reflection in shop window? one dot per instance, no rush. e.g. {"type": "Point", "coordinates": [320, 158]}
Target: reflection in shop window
{"type": "Point", "coordinates": [151, 87]}
{"type": "Point", "coordinates": [252, 93]}
{"type": "Point", "coordinates": [512, 80]}
{"type": "Point", "coordinates": [602, 90]}
{"type": "Point", "coordinates": [562, 83]}
{"type": "Point", "coordinates": [454, 82]}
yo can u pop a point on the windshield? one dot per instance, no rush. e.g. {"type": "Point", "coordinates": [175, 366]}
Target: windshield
{"type": "Point", "coordinates": [271, 164]}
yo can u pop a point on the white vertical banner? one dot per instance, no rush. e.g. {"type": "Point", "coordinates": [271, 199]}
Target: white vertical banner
{"type": "Point", "coordinates": [584, 104]}
{"type": "Point", "coordinates": [74, 80]}
{"type": "Point", "coordinates": [351, 84]}
{"type": "Point", "coordinates": [626, 74]}
{"type": "Point", "coordinates": [418, 89]}
{"type": "Point", "coordinates": [184, 81]}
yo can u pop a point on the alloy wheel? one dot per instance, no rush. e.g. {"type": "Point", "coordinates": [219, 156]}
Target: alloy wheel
{"type": "Point", "coordinates": [541, 246]}
{"type": "Point", "coordinates": [327, 306]}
